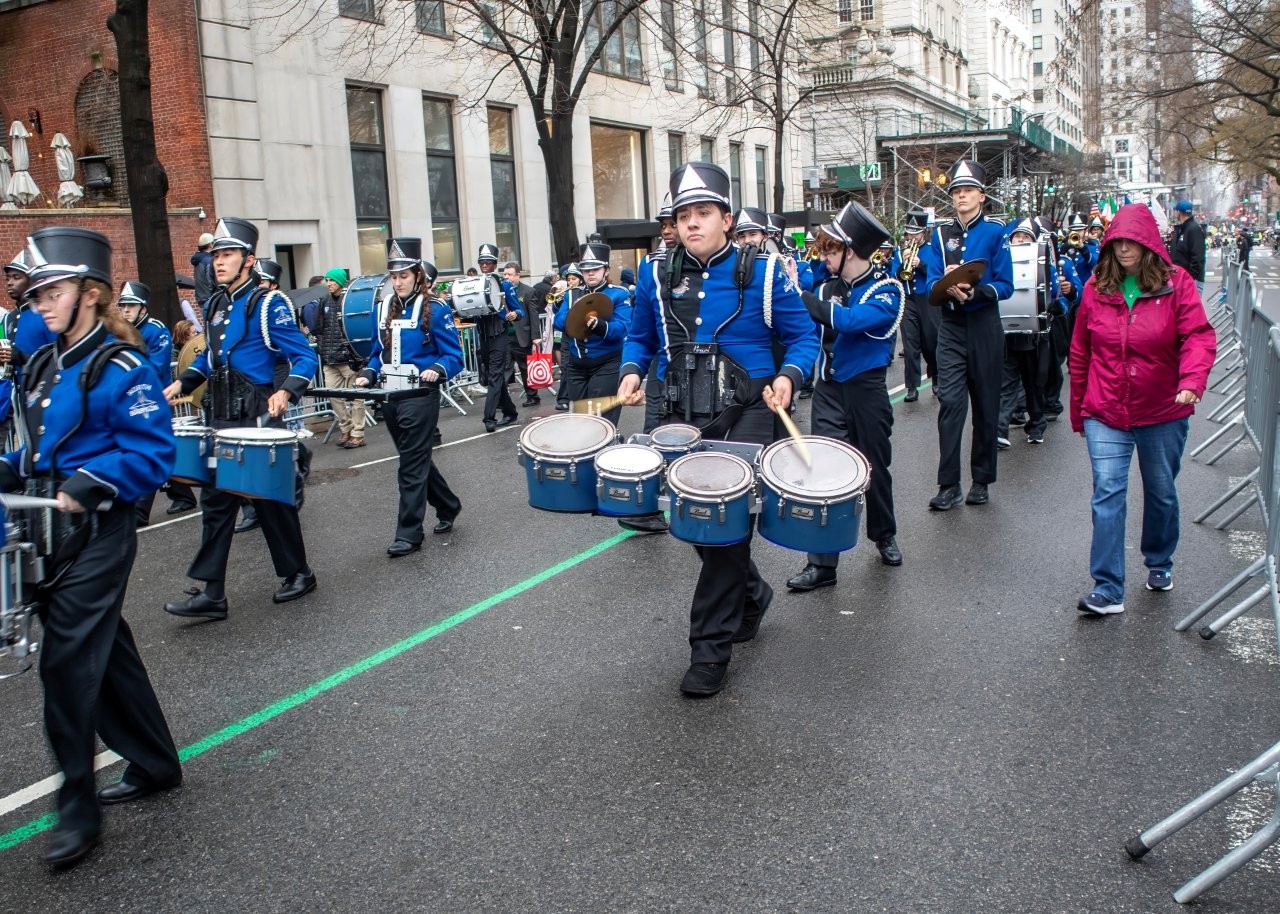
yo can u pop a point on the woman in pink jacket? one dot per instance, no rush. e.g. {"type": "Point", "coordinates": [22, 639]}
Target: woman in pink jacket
{"type": "Point", "coordinates": [1140, 359]}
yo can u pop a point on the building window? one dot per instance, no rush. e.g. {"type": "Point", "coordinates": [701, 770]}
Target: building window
{"type": "Point", "coordinates": [1037, 68]}
{"type": "Point", "coordinates": [753, 30]}
{"type": "Point", "coordinates": [670, 46]}
{"type": "Point", "coordinates": [845, 10]}
{"type": "Point", "coordinates": [502, 168]}
{"type": "Point", "coordinates": [675, 150]}
{"type": "Point", "coordinates": [735, 174]}
{"type": "Point", "coordinates": [1122, 145]}
{"type": "Point", "coordinates": [621, 53]}
{"type": "Point", "coordinates": [1124, 168]}
{"type": "Point", "coordinates": [730, 49]}
{"type": "Point", "coordinates": [867, 10]}
{"type": "Point", "coordinates": [442, 186]}
{"type": "Point", "coordinates": [618, 166]}
{"type": "Point", "coordinates": [700, 60]}
{"type": "Point", "coordinates": [358, 9]}
{"type": "Point", "coordinates": [1038, 95]}
{"type": "Point", "coordinates": [1036, 17]}
{"type": "Point", "coordinates": [430, 16]}
{"type": "Point", "coordinates": [369, 175]}
{"type": "Point", "coordinates": [1037, 42]}
{"type": "Point", "coordinates": [707, 149]}
{"type": "Point", "coordinates": [762, 177]}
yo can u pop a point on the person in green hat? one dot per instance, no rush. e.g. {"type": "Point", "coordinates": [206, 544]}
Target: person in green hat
{"type": "Point", "coordinates": [339, 364]}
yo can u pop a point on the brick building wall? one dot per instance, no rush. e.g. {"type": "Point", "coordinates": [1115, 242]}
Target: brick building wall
{"type": "Point", "coordinates": [47, 50]}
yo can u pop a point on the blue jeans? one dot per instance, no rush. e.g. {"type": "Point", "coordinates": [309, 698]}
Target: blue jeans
{"type": "Point", "coordinates": [1160, 450]}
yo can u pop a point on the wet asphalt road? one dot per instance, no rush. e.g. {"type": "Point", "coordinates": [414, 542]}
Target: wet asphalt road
{"type": "Point", "coordinates": [945, 736]}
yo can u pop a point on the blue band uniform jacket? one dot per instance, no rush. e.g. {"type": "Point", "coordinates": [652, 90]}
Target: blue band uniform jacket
{"type": "Point", "coordinates": [159, 348]}
{"type": "Point", "coordinates": [982, 239]}
{"type": "Point", "coordinates": [119, 449]}
{"type": "Point", "coordinates": [862, 314]}
{"type": "Point", "coordinates": [608, 339]}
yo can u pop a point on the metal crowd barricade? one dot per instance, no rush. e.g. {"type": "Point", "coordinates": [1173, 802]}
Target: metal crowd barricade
{"type": "Point", "coordinates": [470, 374]}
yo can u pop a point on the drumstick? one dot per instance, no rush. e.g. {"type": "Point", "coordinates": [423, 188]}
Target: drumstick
{"type": "Point", "coordinates": [794, 432]}
{"type": "Point", "coordinates": [596, 406]}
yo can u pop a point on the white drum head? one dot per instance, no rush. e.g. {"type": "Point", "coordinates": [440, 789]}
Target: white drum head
{"type": "Point", "coordinates": [676, 436]}
{"type": "Point", "coordinates": [257, 435]}
{"type": "Point", "coordinates": [838, 470]}
{"type": "Point", "coordinates": [628, 461]}
{"type": "Point", "coordinates": [710, 474]}
{"type": "Point", "coordinates": [192, 431]}
{"type": "Point", "coordinates": [565, 437]}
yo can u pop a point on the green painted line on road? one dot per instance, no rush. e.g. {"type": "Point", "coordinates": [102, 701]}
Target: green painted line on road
{"type": "Point", "coordinates": [226, 734]}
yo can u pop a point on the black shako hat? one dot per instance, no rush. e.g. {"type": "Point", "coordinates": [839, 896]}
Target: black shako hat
{"type": "Point", "coordinates": [967, 173]}
{"type": "Point", "coordinates": [404, 253]}
{"type": "Point", "coordinates": [64, 252]}
{"type": "Point", "coordinates": [858, 230]}
{"type": "Point", "coordinates": [487, 252]}
{"type": "Point", "coordinates": [593, 255]}
{"type": "Point", "coordinates": [269, 270]}
{"type": "Point", "coordinates": [233, 232]}
{"type": "Point", "coordinates": [776, 225]}
{"type": "Point", "coordinates": [664, 211]}
{"type": "Point", "coordinates": [750, 219]}
{"type": "Point", "coordinates": [700, 182]}
{"type": "Point", "coordinates": [917, 221]}
{"type": "Point", "coordinates": [134, 293]}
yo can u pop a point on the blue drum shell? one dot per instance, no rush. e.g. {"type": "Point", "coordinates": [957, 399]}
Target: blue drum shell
{"type": "Point", "coordinates": [698, 521]}
{"type": "Point", "coordinates": [619, 498]}
{"type": "Point", "coordinates": [800, 525]}
{"type": "Point", "coordinates": [567, 486]}
{"type": "Point", "coordinates": [246, 468]}
{"type": "Point", "coordinates": [191, 464]}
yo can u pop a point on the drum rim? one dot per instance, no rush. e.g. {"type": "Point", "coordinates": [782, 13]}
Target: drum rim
{"type": "Point", "coordinates": [623, 476]}
{"type": "Point", "coordinates": [854, 488]}
{"type": "Point", "coordinates": [193, 431]}
{"type": "Point", "coordinates": [244, 436]}
{"type": "Point", "coordinates": [673, 482]}
{"type": "Point", "coordinates": [538, 453]}
{"type": "Point", "coordinates": [681, 446]}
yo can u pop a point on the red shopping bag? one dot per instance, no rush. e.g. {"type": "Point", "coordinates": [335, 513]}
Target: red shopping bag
{"type": "Point", "coordinates": [539, 370]}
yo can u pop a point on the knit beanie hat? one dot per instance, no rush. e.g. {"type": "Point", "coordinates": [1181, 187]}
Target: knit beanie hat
{"type": "Point", "coordinates": [338, 275]}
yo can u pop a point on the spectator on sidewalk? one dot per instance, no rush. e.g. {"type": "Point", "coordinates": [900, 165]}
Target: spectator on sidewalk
{"type": "Point", "coordinates": [1188, 243]}
{"type": "Point", "coordinates": [339, 364]}
{"type": "Point", "coordinates": [202, 272]}
{"type": "Point", "coordinates": [1140, 359]}
{"type": "Point", "coordinates": [527, 328]}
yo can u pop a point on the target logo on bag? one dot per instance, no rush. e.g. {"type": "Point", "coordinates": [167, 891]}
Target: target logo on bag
{"type": "Point", "coordinates": [540, 370]}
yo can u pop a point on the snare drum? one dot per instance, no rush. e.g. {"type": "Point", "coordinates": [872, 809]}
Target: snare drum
{"type": "Point", "coordinates": [812, 509]}
{"type": "Point", "coordinates": [711, 498]}
{"type": "Point", "coordinates": [257, 462]}
{"type": "Point", "coordinates": [558, 456]}
{"type": "Point", "coordinates": [674, 441]}
{"type": "Point", "coordinates": [193, 464]}
{"type": "Point", "coordinates": [628, 480]}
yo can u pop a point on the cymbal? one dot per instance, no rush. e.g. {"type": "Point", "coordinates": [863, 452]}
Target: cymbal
{"type": "Point", "coordinates": [593, 304]}
{"type": "Point", "coordinates": [193, 348]}
{"type": "Point", "coordinates": [968, 272]}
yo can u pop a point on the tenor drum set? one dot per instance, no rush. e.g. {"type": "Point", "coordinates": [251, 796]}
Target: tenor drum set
{"type": "Point", "coordinates": [808, 494]}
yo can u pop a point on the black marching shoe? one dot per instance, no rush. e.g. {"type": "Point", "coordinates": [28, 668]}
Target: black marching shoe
{"type": "Point", "coordinates": [751, 619]}
{"type": "Point", "coordinates": [813, 577]}
{"type": "Point", "coordinates": [912, 395]}
{"type": "Point", "coordinates": [645, 523]}
{"type": "Point", "coordinates": [402, 547]}
{"type": "Point", "coordinates": [977, 494]}
{"type": "Point", "coordinates": [490, 425]}
{"type": "Point", "coordinates": [946, 499]}
{"type": "Point", "coordinates": [443, 526]}
{"type": "Point", "coordinates": [890, 554]}
{"type": "Point", "coordinates": [507, 420]}
{"type": "Point", "coordinates": [180, 507]}
{"type": "Point", "coordinates": [562, 406]}
{"type": "Point", "coordinates": [68, 847]}
{"type": "Point", "coordinates": [703, 679]}
{"type": "Point", "coordinates": [198, 606]}
{"type": "Point", "coordinates": [298, 584]}
{"type": "Point", "coordinates": [124, 792]}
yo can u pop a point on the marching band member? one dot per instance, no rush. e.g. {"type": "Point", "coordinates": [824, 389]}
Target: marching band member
{"type": "Point", "coordinates": [694, 296]}
{"type": "Point", "coordinates": [101, 435]}
{"type": "Point", "coordinates": [29, 331]}
{"type": "Point", "coordinates": [920, 323]}
{"type": "Point", "coordinates": [861, 307]}
{"type": "Point", "coordinates": [1069, 286]}
{"type": "Point", "coordinates": [158, 345]}
{"type": "Point", "coordinates": [248, 329]}
{"type": "Point", "coordinates": [421, 333]}
{"type": "Point", "coordinates": [655, 392]}
{"type": "Point", "coordinates": [776, 229]}
{"type": "Point", "coordinates": [591, 370]}
{"type": "Point", "coordinates": [495, 349]}
{"type": "Point", "coordinates": [1082, 254]}
{"type": "Point", "coordinates": [970, 336]}
{"type": "Point", "coordinates": [572, 280]}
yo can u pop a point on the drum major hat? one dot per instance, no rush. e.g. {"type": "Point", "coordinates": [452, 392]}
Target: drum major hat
{"type": "Point", "coordinates": [857, 229]}
{"type": "Point", "coordinates": [664, 211]}
{"type": "Point", "coordinates": [775, 225]}
{"type": "Point", "coordinates": [406, 253]}
{"type": "Point", "coordinates": [593, 255]}
{"type": "Point", "coordinates": [269, 270]}
{"type": "Point", "coordinates": [700, 182]}
{"type": "Point", "coordinates": [20, 264]}
{"type": "Point", "coordinates": [750, 219]}
{"type": "Point", "coordinates": [487, 252]}
{"type": "Point", "coordinates": [134, 293]}
{"type": "Point", "coordinates": [967, 173]}
{"type": "Point", "coordinates": [63, 252]}
{"type": "Point", "coordinates": [232, 232]}
{"type": "Point", "coordinates": [917, 221]}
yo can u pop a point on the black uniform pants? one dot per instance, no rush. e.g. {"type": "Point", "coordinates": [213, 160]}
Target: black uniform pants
{"type": "Point", "coordinates": [412, 424]}
{"type": "Point", "coordinates": [729, 581]}
{"type": "Point", "coordinates": [970, 363]}
{"type": "Point", "coordinates": [1024, 377]}
{"type": "Point", "coordinates": [655, 401]}
{"type": "Point", "coordinates": [919, 339]}
{"type": "Point", "coordinates": [1059, 347]}
{"type": "Point", "coordinates": [865, 416]}
{"type": "Point", "coordinates": [497, 362]}
{"type": "Point", "coordinates": [94, 679]}
{"type": "Point", "coordinates": [593, 378]}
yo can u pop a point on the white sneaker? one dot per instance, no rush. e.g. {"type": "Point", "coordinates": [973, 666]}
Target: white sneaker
{"type": "Point", "coordinates": [1095, 604]}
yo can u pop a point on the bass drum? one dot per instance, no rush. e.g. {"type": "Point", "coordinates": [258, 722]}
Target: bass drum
{"type": "Point", "coordinates": [1026, 311]}
{"type": "Point", "coordinates": [476, 297]}
{"type": "Point", "coordinates": [358, 306]}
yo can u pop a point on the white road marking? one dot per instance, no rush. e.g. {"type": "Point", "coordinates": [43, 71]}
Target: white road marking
{"type": "Point", "coordinates": [20, 798]}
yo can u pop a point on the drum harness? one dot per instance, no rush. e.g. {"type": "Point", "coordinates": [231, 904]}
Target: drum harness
{"type": "Point", "coordinates": [706, 385]}
{"type": "Point", "coordinates": [231, 395]}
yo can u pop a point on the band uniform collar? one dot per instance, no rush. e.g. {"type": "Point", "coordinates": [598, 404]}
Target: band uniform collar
{"type": "Point", "coordinates": [718, 257]}
{"type": "Point", "coordinates": [974, 221]}
{"type": "Point", "coordinates": [91, 341]}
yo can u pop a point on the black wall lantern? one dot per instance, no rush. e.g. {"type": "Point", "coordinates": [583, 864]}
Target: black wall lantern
{"type": "Point", "coordinates": [96, 174]}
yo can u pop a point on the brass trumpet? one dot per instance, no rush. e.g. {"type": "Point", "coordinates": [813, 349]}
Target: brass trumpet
{"type": "Point", "coordinates": [910, 260]}
{"type": "Point", "coordinates": [1076, 240]}
{"type": "Point", "coordinates": [878, 258]}
{"type": "Point", "coordinates": [554, 298]}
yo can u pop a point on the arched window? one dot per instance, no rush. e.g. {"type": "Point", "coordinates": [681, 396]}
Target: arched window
{"type": "Point", "coordinates": [98, 130]}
